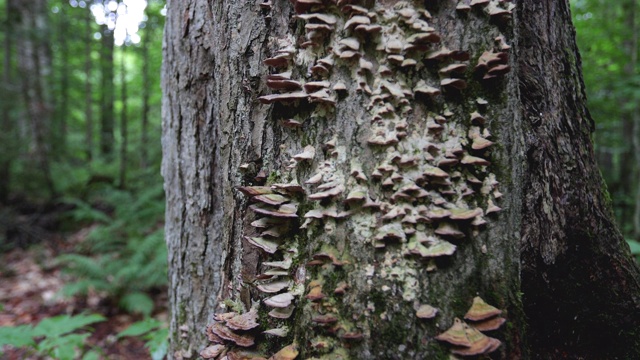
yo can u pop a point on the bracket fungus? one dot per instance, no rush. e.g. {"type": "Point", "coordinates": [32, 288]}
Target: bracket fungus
{"type": "Point", "coordinates": [480, 310]}
{"type": "Point", "coordinates": [426, 312]}
{"type": "Point", "coordinates": [279, 301]}
{"type": "Point", "coordinates": [211, 352]}
{"type": "Point", "coordinates": [467, 340]}
{"type": "Point", "coordinates": [244, 340]}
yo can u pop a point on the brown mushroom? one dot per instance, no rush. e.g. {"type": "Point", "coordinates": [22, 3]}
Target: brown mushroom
{"type": "Point", "coordinates": [224, 332]}
{"type": "Point", "coordinates": [426, 312]}
{"type": "Point", "coordinates": [289, 352]}
{"type": "Point", "coordinates": [245, 321]}
{"type": "Point", "coordinates": [211, 352]}
{"type": "Point", "coordinates": [271, 98]}
{"type": "Point", "coordinates": [480, 310]}
{"type": "Point", "coordinates": [279, 301]}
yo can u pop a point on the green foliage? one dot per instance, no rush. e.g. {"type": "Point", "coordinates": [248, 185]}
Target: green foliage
{"type": "Point", "coordinates": [635, 248]}
{"type": "Point", "coordinates": [60, 337]}
{"type": "Point", "coordinates": [126, 255]}
{"type": "Point", "coordinates": [609, 50]}
{"type": "Point", "coordinates": [155, 334]}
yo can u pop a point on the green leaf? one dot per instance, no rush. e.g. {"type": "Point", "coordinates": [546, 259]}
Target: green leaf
{"type": "Point", "coordinates": [91, 355]}
{"type": "Point", "coordinates": [158, 343]}
{"type": "Point", "coordinates": [635, 247]}
{"type": "Point", "coordinates": [17, 336]}
{"type": "Point", "coordinates": [62, 347]}
{"type": "Point", "coordinates": [140, 328]}
{"type": "Point", "coordinates": [63, 324]}
{"type": "Point", "coordinates": [137, 302]}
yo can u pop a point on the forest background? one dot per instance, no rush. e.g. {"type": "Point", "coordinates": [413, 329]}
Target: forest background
{"type": "Point", "coordinates": [83, 263]}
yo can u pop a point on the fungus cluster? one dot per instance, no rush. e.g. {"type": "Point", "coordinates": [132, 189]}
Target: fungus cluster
{"type": "Point", "coordinates": [468, 339]}
{"type": "Point", "coordinates": [429, 188]}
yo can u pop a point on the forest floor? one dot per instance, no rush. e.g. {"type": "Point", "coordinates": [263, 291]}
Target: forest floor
{"type": "Point", "coordinates": [30, 290]}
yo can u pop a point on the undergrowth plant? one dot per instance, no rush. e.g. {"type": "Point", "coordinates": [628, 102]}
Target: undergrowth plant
{"type": "Point", "coordinates": [61, 337]}
{"type": "Point", "coordinates": [125, 255]}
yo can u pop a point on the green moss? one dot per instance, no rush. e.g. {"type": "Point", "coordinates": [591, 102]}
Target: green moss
{"type": "Point", "coordinates": [182, 313]}
{"type": "Point", "coordinates": [273, 177]}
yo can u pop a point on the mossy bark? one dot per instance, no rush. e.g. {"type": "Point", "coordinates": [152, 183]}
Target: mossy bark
{"type": "Point", "coordinates": [218, 136]}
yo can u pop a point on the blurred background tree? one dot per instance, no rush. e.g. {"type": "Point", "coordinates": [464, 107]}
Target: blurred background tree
{"type": "Point", "coordinates": [80, 135]}
{"type": "Point", "coordinates": [607, 33]}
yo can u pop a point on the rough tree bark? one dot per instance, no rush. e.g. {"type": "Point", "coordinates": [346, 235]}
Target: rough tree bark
{"type": "Point", "coordinates": [434, 115]}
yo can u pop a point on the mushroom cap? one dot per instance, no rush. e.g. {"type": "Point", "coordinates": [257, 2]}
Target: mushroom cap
{"type": "Point", "coordinates": [279, 332]}
{"type": "Point", "coordinates": [447, 229]}
{"type": "Point", "coordinates": [279, 301]}
{"type": "Point", "coordinates": [454, 83]}
{"type": "Point", "coordinates": [465, 214]}
{"type": "Point", "coordinates": [474, 160]}
{"type": "Point", "coordinates": [456, 334]}
{"type": "Point", "coordinates": [211, 352]}
{"type": "Point", "coordinates": [245, 321]}
{"type": "Point", "coordinates": [480, 143]}
{"type": "Point", "coordinates": [426, 312]}
{"type": "Point", "coordinates": [282, 313]}
{"type": "Point", "coordinates": [283, 211]}
{"type": "Point", "coordinates": [267, 245]}
{"type": "Point", "coordinates": [289, 352]}
{"type": "Point", "coordinates": [271, 98]}
{"type": "Point", "coordinates": [271, 199]}
{"type": "Point", "coordinates": [480, 310]}
{"type": "Point", "coordinates": [485, 348]}
{"type": "Point", "coordinates": [435, 172]}
{"type": "Point", "coordinates": [490, 324]}
{"type": "Point", "coordinates": [274, 287]}
{"type": "Point", "coordinates": [255, 190]}
{"type": "Point", "coordinates": [315, 294]}
{"type": "Point", "coordinates": [266, 222]}
{"type": "Point", "coordinates": [224, 332]}
{"type": "Point", "coordinates": [324, 318]}
{"type": "Point", "coordinates": [438, 248]}
{"type": "Point", "coordinates": [308, 153]}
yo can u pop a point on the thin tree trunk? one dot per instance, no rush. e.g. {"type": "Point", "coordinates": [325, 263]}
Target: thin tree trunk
{"type": "Point", "coordinates": [60, 138]}
{"type": "Point", "coordinates": [393, 155]}
{"type": "Point", "coordinates": [34, 59]}
{"type": "Point", "coordinates": [123, 120]}
{"type": "Point", "coordinates": [7, 121]}
{"type": "Point", "coordinates": [107, 94]}
{"type": "Point", "coordinates": [635, 115]}
{"type": "Point", "coordinates": [144, 135]}
{"type": "Point", "coordinates": [88, 96]}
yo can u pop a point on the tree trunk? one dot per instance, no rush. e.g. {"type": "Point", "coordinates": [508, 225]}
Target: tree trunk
{"type": "Point", "coordinates": [635, 113]}
{"type": "Point", "coordinates": [34, 65]}
{"type": "Point", "coordinates": [124, 136]}
{"type": "Point", "coordinates": [62, 108]}
{"type": "Point", "coordinates": [431, 174]}
{"type": "Point", "coordinates": [7, 98]}
{"type": "Point", "coordinates": [88, 96]}
{"type": "Point", "coordinates": [146, 84]}
{"type": "Point", "coordinates": [107, 95]}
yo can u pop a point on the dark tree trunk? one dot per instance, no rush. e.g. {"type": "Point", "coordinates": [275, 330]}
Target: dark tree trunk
{"type": "Point", "coordinates": [580, 285]}
{"type": "Point", "coordinates": [7, 98]}
{"type": "Point", "coordinates": [379, 155]}
{"type": "Point", "coordinates": [107, 94]}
